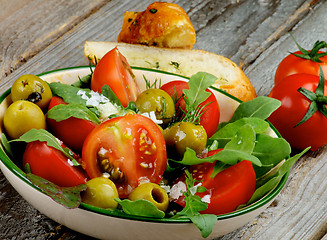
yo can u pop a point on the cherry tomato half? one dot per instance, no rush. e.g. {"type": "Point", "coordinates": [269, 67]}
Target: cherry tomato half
{"type": "Point", "coordinates": [71, 131]}
{"type": "Point", "coordinates": [294, 106]}
{"type": "Point", "coordinates": [210, 113]}
{"type": "Point", "coordinates": [229, 189]}
{"type": "Point", "coordinates": [292, 65]}
{"type": "Point", "coordinates": [129, 150]}
{"type": "Point", "coordinates": [52, 165]}
{"type": "Point", "coordinates": [113, 70]}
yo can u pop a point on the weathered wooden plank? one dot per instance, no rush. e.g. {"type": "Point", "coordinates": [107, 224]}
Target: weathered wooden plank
{"type": "Point", "coordinates": [243, 31]}
{"type": "Point", "coordinates": [9, 8]}
{"type": "Point", "coordinates": [30, 26]}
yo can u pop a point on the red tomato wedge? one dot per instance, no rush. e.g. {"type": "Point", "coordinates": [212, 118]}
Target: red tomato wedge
{"type": "Point", "coordinates": [113, 70]}
{"type": "Point", "coordinates": [210, 113]}
{"type": "Point", "coordinates": [52, 165]}
{"type": "Point", "coordinates": [229, 189]}
{"type": "Point", "coordinates": [130, 150]}
{"type": "Point", "coordinates": [71, 131]}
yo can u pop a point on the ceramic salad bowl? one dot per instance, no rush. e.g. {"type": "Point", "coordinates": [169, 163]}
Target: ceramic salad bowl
{"type": "Point", "coordinates": [104, 224]}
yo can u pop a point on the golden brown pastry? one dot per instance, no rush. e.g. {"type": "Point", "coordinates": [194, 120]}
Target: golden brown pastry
{"type": "Point", "coordinates": [161, 24]}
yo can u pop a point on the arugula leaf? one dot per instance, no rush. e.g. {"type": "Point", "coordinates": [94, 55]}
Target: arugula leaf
{"type": "Point", "coordinates": [86, 104]}
{"type": "Point", "coordinates": [228, 131]}
{"type": "Point", "coordinates": [244, 140]}
{"type": "Point", "coordinates": [6, 145]}
{"type": "Point", "coordinates": [61, 112]}
{"type": "Point", "coordinates": [107, 92]}
{"type": "Point", "coordinates": [266, 185]}
{"type": "Point", "coordinates": [198, 83]}
{"type": "Point", "coordinates": [239, 148]}
{"type": "Point", "coordinates": [227, 156]}
{"type": "Point", "coordinates": [43, 136]}
{"type": "Point", "coordinates": [140, 207]}
{"type": "Point", "coordinates": [69, 197]}
{"type": "Point", "coordinates": [68, 92]}
{"type": "Point", "coordinates": [83, 82]}
{"type": "Point", "coordinates": [270, 151]}
{"type": "Point", "coordinates": [259, 107]}
{"type": "Point", "coordinates": [194, 204]}
{"type": "Point", "coordinates": [195, 95]}
{"type": "Point", "coordinates": [205, 223]}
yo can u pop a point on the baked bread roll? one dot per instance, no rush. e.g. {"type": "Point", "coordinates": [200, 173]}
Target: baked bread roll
{"type": "Point", "coordinates": [180, 61]}
{"type": "Point", "coordinates": [161, 24]}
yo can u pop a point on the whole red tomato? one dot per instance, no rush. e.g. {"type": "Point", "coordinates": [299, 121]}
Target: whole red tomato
{"type": "Point", "coordinates": [210, 114]}
{"type": "Point", "coordinates": [303, 61]}
{"type": "Point", "coordinates": [288, 118]}
{"type": "Point", "coordinates": [129, 150]}
{"type": "Point", "coordinates": [113, 70]}
{"type": "Point", "coordinates": [229, 189]}
{"type": "Point", "coordinates": [71, 131]}
{"type": "Point", "coordinates": [52, 165]}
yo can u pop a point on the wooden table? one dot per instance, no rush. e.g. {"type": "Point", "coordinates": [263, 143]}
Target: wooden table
{"type": "Point", "coordinates": [38, 35]}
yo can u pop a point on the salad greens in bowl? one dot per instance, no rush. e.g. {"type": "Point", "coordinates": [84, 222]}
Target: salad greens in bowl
{"type": "Point", "coordinates": [202, 202]}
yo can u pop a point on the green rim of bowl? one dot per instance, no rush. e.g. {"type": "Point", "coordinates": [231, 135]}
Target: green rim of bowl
{"type": "Point", "coordinates": [116, 213]}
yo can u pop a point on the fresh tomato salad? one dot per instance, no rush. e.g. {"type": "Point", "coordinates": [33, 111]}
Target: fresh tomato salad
{"type": "Point", "coordinates": [159, 153]}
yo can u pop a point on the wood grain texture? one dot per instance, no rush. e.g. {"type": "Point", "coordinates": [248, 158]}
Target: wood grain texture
{"type": "Point", "coordinates": [27, 27]}
{"type": "Point", "coordinates": [252, 33]}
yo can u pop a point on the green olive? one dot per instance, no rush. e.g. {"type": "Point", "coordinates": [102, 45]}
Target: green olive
{"type": "Point", "coordinates": [153, 193]}
{"type": "Point", "coordinates": [101, 192]}
{"type": "Point", "coordinates": [21, 116]}
{"type": "Point", "coordinates": [157, 101]}
{"type": "Point", "coordinates": [185, 134]}
{"type": "Point", "coordinates": [32, 88]}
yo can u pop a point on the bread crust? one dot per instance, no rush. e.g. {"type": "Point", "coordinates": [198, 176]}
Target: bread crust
{"type": "Point", "coordinates": [230, 77]}
{"type": "Point", "coordinates": [161, 24]}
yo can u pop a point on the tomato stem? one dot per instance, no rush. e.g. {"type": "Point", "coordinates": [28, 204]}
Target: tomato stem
{"type": "Point", "coordinates": [317, 98]}
{"type": "Point", "coordinates": [312, 55]}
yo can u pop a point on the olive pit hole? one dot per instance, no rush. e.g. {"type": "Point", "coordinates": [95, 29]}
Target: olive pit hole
{"type": "Point", "coordinates": [157, 195]}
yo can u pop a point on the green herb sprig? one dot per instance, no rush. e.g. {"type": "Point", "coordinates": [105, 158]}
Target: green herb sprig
{"type": "Point", "coordinates": [196, 95]}
{"type": "Point", "coordinates": [194, 204]}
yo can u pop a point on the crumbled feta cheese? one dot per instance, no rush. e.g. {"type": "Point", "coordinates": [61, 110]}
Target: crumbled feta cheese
{"type": "Point", "coordinates": [165, 187]}
{"type": "Point", "coordinates": [152, 116]}
{"type": "Point", "coordinates": [102, 103]}
{"type": "Point", "coordinates": [181, 135]}
{"type": "Point", "coordinates": [59, 141]}
{"type": "Point", "coordinates": [107, 109]}
{"type": "Point", "coordinates": [94, 99]}
{"type": "Point", "coordinates": [102, 151]}
{"type": "Point", "coordinates": [144, 180]}
{"type": "Point", "coordinates": [177, 190]}
{"type": "Point", "coordinates": [70, 162]}
{"type": "Point", "coordinates": [206, 198]}
{"type": "Point", "coordinates": [194, 189]}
